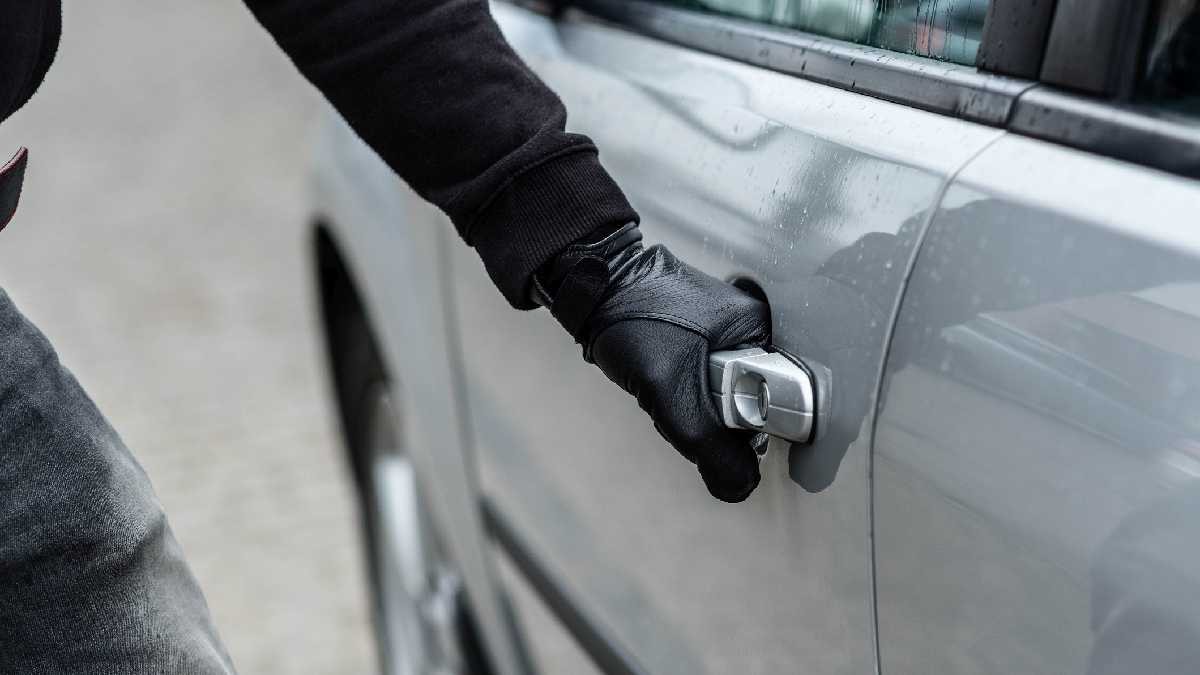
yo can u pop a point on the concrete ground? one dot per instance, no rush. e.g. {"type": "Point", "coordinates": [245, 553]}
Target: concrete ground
{"type": "Point", "coordinates": [161, 245]}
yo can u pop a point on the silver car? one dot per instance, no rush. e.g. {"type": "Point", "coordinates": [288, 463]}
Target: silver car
{"type": "Point", "coordinates": [984, 250]}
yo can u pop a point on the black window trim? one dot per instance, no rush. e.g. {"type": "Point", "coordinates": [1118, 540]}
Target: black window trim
{"type": "Point", "coordinates": [1095, 46]}
{"type": "Point", "coordinates": [1014, 37]}
{"type": "Point", "coordinates": [1101, 125]}
{"type": "Point", "coordinates": [1086, 86]}
{"type": "Point", "coordinates": [937, 86]}
{"type": "Point", "coordinates": [1108, 128]}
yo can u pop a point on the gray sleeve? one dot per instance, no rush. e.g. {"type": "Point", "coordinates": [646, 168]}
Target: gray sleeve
{"type": "Point", "coordinates": [91, 577]}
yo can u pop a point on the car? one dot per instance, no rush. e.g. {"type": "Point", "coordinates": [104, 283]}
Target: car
{"type": "Point", "coordinates": [987, 263]}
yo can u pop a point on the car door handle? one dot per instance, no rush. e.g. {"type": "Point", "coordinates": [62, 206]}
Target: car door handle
{"type": "Point", "coordinates": [763, 391]}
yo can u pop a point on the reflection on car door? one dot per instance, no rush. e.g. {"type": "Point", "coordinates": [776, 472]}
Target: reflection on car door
{"type": "Point", "coordinates": [1037, 508]}
{"type": "Point", "coordinates": [816, 195]}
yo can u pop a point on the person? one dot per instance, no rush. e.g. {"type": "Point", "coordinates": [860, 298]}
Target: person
{"type": "Point", "coordinates": [91, 578]}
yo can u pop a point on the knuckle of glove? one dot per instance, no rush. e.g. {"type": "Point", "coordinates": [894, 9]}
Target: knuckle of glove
{"type": "Point", "coordinates": [650, 360]}
{"type": "Point", "coordinates": [659, 286]}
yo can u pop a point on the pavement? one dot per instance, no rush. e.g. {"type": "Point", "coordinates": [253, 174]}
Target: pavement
{"type": "Point", "coordinates": [161, 245]}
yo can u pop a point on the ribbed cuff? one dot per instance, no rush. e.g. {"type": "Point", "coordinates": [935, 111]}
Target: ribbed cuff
{"type": "Point", "coordinates": [540, 213]}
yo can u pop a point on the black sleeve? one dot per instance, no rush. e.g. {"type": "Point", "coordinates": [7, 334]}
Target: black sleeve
{"type": "Point", "coordinates": [434, 88]}
{"type": "Point", "coordinates": [29, 35]}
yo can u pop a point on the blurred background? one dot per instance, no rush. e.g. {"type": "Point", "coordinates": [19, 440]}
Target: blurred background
{"type": "Point", "coordinates": [161, 246]}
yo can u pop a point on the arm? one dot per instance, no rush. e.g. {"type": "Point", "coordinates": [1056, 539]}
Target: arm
{"type": "Point", "coordinates": [434, 88]}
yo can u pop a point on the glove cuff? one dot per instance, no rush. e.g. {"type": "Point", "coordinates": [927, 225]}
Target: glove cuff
{"type": "Point", "coordinates": [573, 283]}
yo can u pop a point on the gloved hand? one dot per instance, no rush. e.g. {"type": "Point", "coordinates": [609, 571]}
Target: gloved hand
{"type": "Point", "coordinates": [649, 321]}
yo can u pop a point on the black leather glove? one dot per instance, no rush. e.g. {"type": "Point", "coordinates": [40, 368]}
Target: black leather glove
{"type": "Point", "coordinates": [649, 321]}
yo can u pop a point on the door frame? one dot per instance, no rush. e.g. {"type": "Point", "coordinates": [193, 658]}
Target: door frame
{"type": "Point", "coordinates": [1027, 79]}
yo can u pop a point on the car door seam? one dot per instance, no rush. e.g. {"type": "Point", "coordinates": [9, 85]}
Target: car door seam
{"type": "Point", "coordinates": [927, 222]}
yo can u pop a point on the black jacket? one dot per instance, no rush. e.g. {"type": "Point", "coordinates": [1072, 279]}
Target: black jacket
{"type": "Point", "coordinates": [434, 88]}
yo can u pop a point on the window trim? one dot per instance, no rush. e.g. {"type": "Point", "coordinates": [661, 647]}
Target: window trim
{"type": "Point", "coordinates": [1102, 126]}
{"type": "Point", "coordinates": [1110, 129]}
{"type": "Point", "coordinates": [1106, 63]}
{"type": "Point", "coordinates": [1015, 33]}
{"type": "Point", "coordinates": [937, 86]}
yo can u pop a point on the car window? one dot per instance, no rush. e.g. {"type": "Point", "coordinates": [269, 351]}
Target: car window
{"type": "Point", "coordinates": [947, 30]}
{"type": "Point", "coordinates": [1171, 78]}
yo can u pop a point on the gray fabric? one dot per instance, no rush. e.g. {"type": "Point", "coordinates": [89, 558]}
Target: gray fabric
{"type": "Point", "coordinates": [91, 578]}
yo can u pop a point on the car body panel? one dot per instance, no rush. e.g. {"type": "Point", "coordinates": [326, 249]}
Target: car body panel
{"type": "Point", "coordinates": [1037, 450]}
{"type": "Point", "coordinates": [1031, 487]}
{"type": "Point", "coordinates": [746, 174]}
{"type": "Point", "coordinates": [395, 245]}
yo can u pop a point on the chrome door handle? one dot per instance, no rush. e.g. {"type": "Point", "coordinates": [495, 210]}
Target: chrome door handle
{"type": "Point", "coordinates": [762, 391]}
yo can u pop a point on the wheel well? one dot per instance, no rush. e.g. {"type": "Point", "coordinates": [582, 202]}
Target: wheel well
{"type": "Point", "coordinates": [355, 366]}
{"type": "Point", "coordinates": [352, 354]}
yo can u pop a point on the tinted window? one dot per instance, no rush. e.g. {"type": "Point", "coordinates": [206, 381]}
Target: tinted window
{"type": "Point", "coordinates": [1172, 64]}
{"type": "Point", "coordinates": [947, 30]}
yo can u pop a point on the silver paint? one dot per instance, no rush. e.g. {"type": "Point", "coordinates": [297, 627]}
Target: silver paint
{"type": "Point", "coordinates": [394, 240]}
{"type": "Point", "coordinates": [1037, 508]}
{"type": "Point", "coordinates": [1036, 455]}
{"type": "Point", "coordinates": [747, 174]}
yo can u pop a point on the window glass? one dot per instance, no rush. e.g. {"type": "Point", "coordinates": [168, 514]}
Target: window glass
{"type": "Point", "coordinates": [1172, 64]}
{"type": "Point", "coordinates": [948, 30]}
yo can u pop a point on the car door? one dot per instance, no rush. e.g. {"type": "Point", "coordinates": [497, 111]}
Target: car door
{"type": "Point", "coordinates": [1037, 454]}
{"type": "Point", "coordinates": [813, 194]}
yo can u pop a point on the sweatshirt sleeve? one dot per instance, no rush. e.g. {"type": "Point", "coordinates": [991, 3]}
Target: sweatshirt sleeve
{"type": "Point", "coordinates": [435, 89]}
